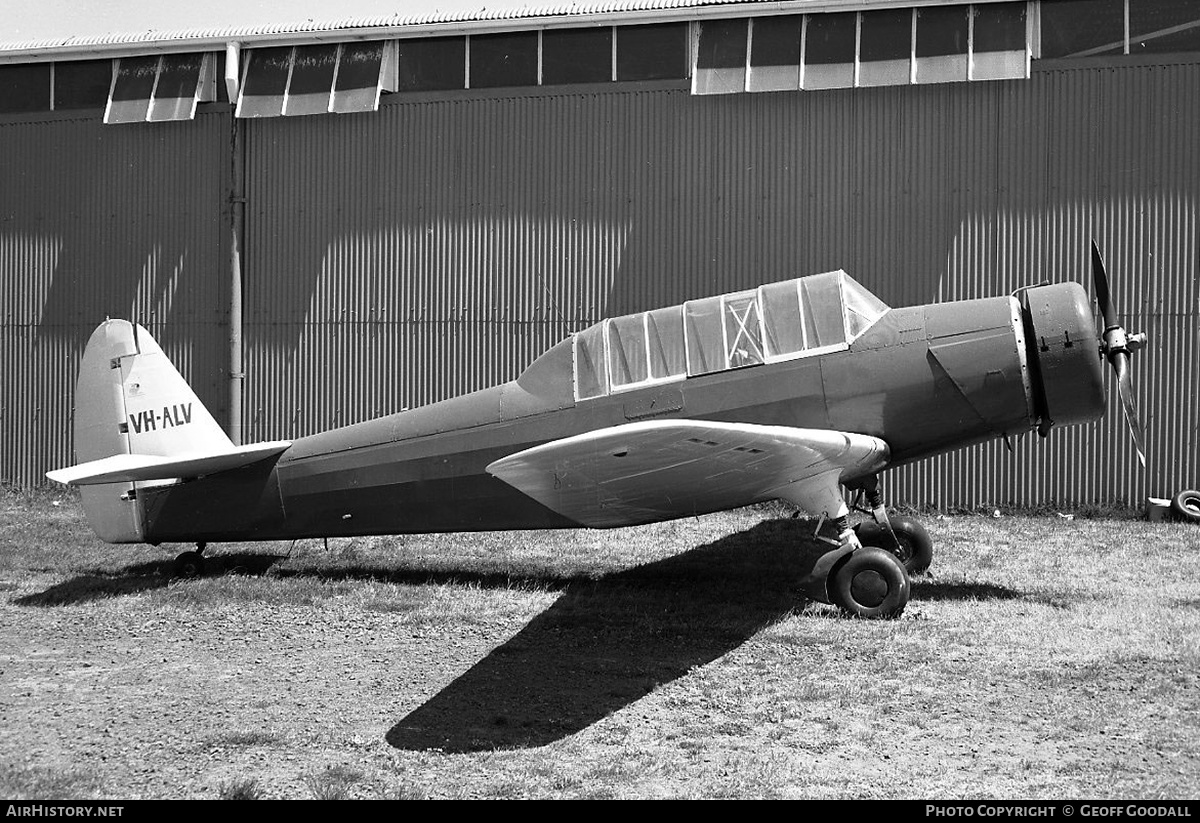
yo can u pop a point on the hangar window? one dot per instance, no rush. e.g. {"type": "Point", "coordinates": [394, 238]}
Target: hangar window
{"type": "Point", "coordinates": [1090, 28]}
{"type": "Point", "coordinates": [159, 87]}
{"type": "Point", "coordinates": [509, 59]}
{"type": "Point", "coordinates": [1163, 27]}
{"type": "Point", "coordinates": [941, 47]}
{"type": "Point", "coordinates": [775, 53]}
{"type": "Point", "coordinates": [180, 85]}
{"type": "Point", "coordinates": [359, 77]}
{"type": "Point", "coordinates": [311, 79]}
{"type": "Point", "coordinates": [25, 88]}
{"type": "Point", "coordinates": [999, 42]}
{"type": "Point", "coordinates": [601, 54]}
{"type": "Point", "coordinates": [653, 52]}
{"type": "Point", "coordinates": [431, 64]}
{"type": "Point", "coordinates": [829, 47]}
{"type": "Point", "coordinates": [1082, 28]}
{"type": "Point", "coordinates": [132, 88]}
{"type": "Point", "coordinates": [577, 56]}
{"type": "Point", "coordinates": [721, 57]}
{"type": "Point", "coordinates": [218, 71]}
{"type": "Point", "coordinates": [264, 82]}
{"type": "Point", "coordinates": [885, 48]}
{"type": "Point", "coordinates": [82, 84]}
{"type": "Point", "coordinates": [318, 79]}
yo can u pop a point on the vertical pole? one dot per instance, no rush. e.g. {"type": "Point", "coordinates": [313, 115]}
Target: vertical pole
{"type": "Point", "coordinates": [237, 213]}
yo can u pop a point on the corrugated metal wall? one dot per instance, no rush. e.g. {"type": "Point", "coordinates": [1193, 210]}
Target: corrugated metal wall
{"type": "Point", "coordinates": [99, 221]}
{"type": "Point", "coordinates": [439, 245]}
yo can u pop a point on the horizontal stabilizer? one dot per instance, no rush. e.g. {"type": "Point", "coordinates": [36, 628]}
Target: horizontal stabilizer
{"type": "Point", "coordinates": [130, 467]}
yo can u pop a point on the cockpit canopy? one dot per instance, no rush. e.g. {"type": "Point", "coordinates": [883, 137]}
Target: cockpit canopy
{"type": "Point", "coordinates": [781, 321]}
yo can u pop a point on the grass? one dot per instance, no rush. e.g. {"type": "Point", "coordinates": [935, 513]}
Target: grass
{"type": "Point", "coordinates": [37, 782]}
{"type": "Point", "coordinates": [334, 782]}
{"type": "Point", "coordinates": [1042, 657]}
{"type": "Point", "coordinates": [241, 789]}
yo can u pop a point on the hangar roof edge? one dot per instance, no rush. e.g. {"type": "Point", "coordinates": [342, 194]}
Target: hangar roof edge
{"type": "Point", "coordinates": [426, 17]}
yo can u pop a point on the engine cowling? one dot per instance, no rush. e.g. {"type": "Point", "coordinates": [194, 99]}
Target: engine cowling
{"type": "Point", "coordinates": [1064, 355]}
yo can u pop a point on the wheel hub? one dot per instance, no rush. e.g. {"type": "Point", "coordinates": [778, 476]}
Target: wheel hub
{"type": "Point", "coordinates": [869, 588]}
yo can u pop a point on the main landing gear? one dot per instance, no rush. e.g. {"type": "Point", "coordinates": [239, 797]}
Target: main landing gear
{"type": "Point", "coordinates": [190, 564]}
{"type": "Point", "coordinates": [862, 581]}
{"type": "Point", "coordinates": [912, 545]}
{"type": "Point", "coordinates": [902, 536]}
{"type": "Point", "coordinates": [867, 573]}
{"type": "Point", "coordinates": [871, 583]}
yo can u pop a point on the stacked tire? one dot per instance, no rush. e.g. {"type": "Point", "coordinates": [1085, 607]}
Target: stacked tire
{"type": "Point", "coordinates": [1186, 506]}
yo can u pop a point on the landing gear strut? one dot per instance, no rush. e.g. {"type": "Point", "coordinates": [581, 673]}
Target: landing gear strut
{"type": "Point", "coordinates": [861, 580]}
{"type": "Point", "coordinates": [191, 564]}
{"type": "Point", "coordinates": [902, 536]}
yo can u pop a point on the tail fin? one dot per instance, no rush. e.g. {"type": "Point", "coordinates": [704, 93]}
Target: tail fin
{"type": "Point", "coordinates": [137, 420]}
{"type": "Point", "coordinates": [131, 400]}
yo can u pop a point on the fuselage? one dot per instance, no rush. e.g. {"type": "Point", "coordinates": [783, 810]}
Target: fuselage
{"type": "Point", "coordinates": [924, 379]}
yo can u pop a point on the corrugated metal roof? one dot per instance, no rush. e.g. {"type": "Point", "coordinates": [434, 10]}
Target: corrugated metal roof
{"type": "Point", "coordinates": [417, 16]}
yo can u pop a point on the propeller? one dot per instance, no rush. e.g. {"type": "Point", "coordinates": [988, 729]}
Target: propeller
{"type": "Point", "coordinates": [1117, 346]}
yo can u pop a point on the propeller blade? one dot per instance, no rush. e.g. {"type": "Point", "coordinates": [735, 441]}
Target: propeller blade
{"type": "Point", "coordinates": [1116, 346]}
{"type": "Point", "coordinates": [1120, 361]}
{"type": "Point", "coordinates": [1103, 298]}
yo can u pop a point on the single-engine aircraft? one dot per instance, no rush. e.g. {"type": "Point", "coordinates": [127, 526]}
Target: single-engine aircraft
{"type": "Point", "coordinates": [793, 390]}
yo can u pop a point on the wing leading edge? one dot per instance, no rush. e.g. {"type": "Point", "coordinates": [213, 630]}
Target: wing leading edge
{"type": "Point", "coordinates": [657, 470]}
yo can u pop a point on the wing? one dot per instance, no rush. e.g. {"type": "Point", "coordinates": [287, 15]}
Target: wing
{"type": "Point", "coordinates": [657, 470]}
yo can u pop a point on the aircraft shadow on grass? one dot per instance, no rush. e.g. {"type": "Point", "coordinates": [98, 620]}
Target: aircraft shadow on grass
{"type": "Point", "coordinates": [601, 646]}
{"type": "Point", "coordinates": [605, 644]}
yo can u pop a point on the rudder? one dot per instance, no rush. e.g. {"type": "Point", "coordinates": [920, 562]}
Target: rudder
{"type": "Point", "coordinates": [130, 399]}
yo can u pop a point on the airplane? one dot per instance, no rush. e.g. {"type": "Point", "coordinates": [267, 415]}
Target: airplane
{"type": "Point", "coordinates": [800, 390]}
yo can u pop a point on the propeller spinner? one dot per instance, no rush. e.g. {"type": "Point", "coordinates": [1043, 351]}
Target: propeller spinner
{"type": "Point", "coordinates": [1117, 346]}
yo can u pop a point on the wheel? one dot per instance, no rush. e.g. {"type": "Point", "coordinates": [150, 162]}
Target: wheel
{"type": "Point", "coordinates": [189, 564]}
{"type": "Point", "coordinates": [870, 583]}
{"type": "Point", "coordinates": [1186, 505]}
{"type": "Point", "coordinates": [916, 548]}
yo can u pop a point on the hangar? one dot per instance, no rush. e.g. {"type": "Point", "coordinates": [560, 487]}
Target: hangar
{"type": "Point", "coordinates": [323, 222]}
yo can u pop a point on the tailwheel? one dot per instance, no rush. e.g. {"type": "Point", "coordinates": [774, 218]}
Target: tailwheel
{"type": "Point", "coordinates": [190, 564]}
{"type": "Point", "coordinates": [913, 546]}
{"type": "Point", "coordinates": [872, 583]}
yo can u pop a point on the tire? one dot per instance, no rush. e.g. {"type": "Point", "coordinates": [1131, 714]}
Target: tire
{"type": "Point", "coordinates": [916, 547]}
{"type": "Point", "coordinates": [189, 564]}
{"type": "Point", "coordinates": [1186, 505]}
{"type": "Point", "coordinates": [871, 583]}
